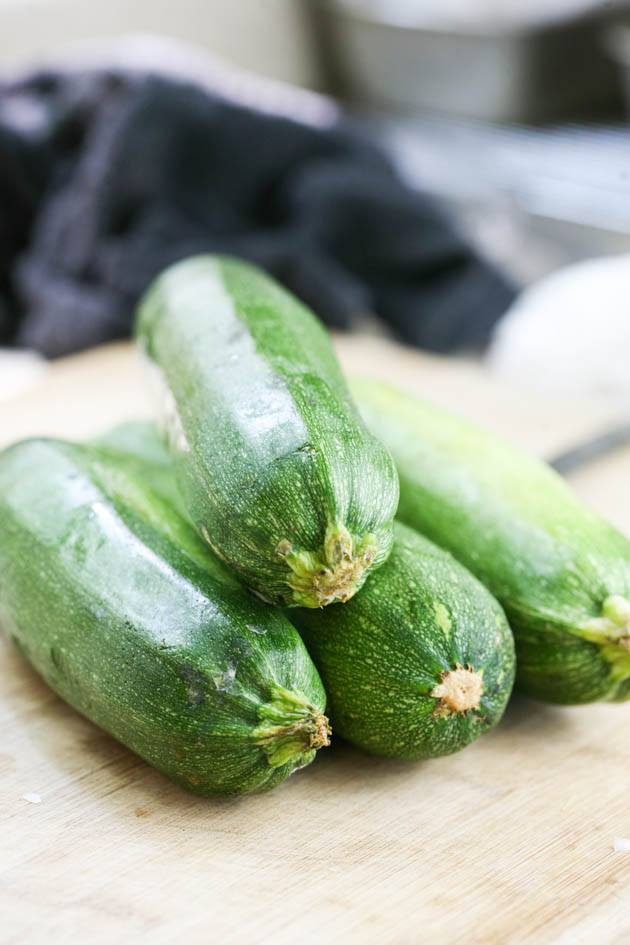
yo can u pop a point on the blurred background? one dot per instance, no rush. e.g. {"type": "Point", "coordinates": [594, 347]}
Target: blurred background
{"type": "Point", "coordinates": [507, 120]}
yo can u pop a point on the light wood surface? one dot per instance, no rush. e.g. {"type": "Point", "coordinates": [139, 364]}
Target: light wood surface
{"type": "Point", "coordinates": [507, 843]}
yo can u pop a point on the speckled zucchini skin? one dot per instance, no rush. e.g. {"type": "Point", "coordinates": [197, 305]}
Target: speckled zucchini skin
{"type": "Point", "coordinates": [385, 655]}
{"type": "Point", "coordinates": [279, 473]}
{"type": "Point", "coordinates": [119, 605]}
{"type": "Point", "coordinates": [560, 571]}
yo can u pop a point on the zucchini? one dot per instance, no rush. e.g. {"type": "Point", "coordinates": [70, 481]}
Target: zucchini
{"type": "Point", "coordinates": [560, 571]}
{"type": "Point", "coordinates": [119, 605]}
{"type": "Point", "coordinates": [278, 471]}
{"type": "Point", "coordinates": [421, 662]}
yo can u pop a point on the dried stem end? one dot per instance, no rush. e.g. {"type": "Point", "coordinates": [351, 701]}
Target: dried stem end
{"type": "Point", "coordinates": [335, 573]}
{"type": "Point", "coordinates": [459, 691]}
{"type": "Point", "coordinates": [291, 729]}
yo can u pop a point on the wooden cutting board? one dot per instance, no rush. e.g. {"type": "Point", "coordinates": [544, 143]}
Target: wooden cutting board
{"type": "Point", "coordinates": [507, 843]}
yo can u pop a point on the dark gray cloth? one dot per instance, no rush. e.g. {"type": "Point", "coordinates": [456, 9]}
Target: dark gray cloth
{"type": "Point", "coordinates": [107, 177]}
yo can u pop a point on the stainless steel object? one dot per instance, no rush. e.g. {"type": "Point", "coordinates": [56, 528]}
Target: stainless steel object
{"type": "Point", "coordinates": [535, 199]}
{"type": "Point", "coordinates": [502, 73]}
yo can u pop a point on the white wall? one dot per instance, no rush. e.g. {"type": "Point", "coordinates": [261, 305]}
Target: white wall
{"type": "Point", "coordinates": [271, 37]}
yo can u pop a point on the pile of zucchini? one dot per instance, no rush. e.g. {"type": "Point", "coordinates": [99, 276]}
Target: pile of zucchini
{"type": "Point", "coordinates": [213, 593]}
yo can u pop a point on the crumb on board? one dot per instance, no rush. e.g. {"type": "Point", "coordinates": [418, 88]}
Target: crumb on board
{"type": "Point", "coordinates": [621, 845]}
{"type": "Point", "coordinates": [32, 798]}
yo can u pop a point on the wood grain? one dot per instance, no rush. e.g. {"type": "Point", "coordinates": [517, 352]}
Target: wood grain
{"type": "Point", "coordinates": [507, 843]}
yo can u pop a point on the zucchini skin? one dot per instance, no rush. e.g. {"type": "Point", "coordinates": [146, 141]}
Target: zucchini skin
{"type": "Point", "coordinates": [279, 473]}
{"type": "Point", "coordinates": [385, 656]}
{"type": "Point", "coordinates": [119, 605]}
{"type": "Point", "coordinates": [560, 571]}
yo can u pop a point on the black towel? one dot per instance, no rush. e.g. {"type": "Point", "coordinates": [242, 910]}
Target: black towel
{"type": "Point", "coordinates": [107, 176]}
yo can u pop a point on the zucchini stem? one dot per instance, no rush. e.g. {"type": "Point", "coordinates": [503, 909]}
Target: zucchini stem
{"type": "Point", "coordinates": [614, 624]}
{"type": "Point", "coordinates": [334, 575]}
{"type": "Point", "coordinates": [291, 729]}
{"type": "Point", "coordinates": [611, 632]}
{"type": "Point", "coordinates": [459, 691]}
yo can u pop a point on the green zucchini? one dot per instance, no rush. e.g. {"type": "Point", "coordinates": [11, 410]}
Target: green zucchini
{"type": "Point", "coordinates": [119, 605]}
{"type": "Point", "coordinates": [560, 571]}
{"type": "Point", "coordinates": [278, 471]}
{"type": "Point", "coordinates": [421, 662]}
